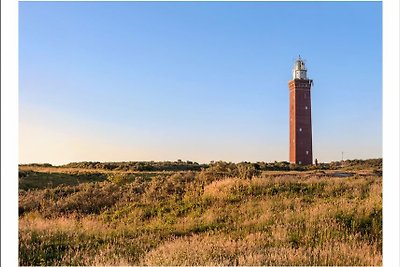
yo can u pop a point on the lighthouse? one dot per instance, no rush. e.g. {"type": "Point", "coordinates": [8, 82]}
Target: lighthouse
{"type": "Point", "coordinates": [300, 115]}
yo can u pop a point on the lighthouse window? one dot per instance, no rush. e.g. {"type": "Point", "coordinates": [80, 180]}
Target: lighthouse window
{"type": "Point", "coordinates": [307, 152]}
{"type": "Point", "coordinates": [306, 107]}
{"type": "Point", "coordinates": [301, 129]}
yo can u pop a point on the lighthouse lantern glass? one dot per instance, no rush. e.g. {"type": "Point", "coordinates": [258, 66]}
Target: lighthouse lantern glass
{"type": "Point", "coordinates": [299, 70]}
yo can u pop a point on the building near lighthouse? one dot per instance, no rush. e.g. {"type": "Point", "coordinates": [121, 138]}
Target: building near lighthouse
{"type": "Point", "coordinates": [300, 115]}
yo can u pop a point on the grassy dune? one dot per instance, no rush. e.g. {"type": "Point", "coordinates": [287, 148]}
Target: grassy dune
{"type": "Point", "coordinates": [207, 217]}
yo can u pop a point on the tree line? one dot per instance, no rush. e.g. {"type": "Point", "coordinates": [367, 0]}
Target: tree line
{"type": "Point", "coordinates": [217, 166]}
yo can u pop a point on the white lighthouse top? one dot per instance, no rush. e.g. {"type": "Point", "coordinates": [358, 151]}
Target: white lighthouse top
{"type": "Point", "coordinates": [299, 70]}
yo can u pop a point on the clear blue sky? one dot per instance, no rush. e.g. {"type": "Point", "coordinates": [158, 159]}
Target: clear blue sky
{"type": "Point", "coordinates": [121, 81]}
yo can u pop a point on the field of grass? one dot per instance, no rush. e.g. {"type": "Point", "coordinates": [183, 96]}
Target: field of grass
{"type": "Point", "coordinates": [229, 215]}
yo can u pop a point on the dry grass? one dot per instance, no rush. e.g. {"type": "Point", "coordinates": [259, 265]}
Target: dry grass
{"type": "Point", "coordinates": [302, 219]}
{"type": "Point", "coordinates": [258, 249]}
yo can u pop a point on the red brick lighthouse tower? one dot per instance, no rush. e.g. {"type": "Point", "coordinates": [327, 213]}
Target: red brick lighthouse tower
{"type": "Point", "coordinates": [300, 115]}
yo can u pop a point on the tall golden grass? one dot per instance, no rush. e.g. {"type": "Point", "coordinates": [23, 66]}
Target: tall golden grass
{"type": "Point", "coordinates": [183, 219]}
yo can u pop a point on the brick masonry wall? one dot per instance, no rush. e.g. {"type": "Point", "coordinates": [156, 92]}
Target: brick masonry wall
{"type": "Point", "coordinates": [300, 122]}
